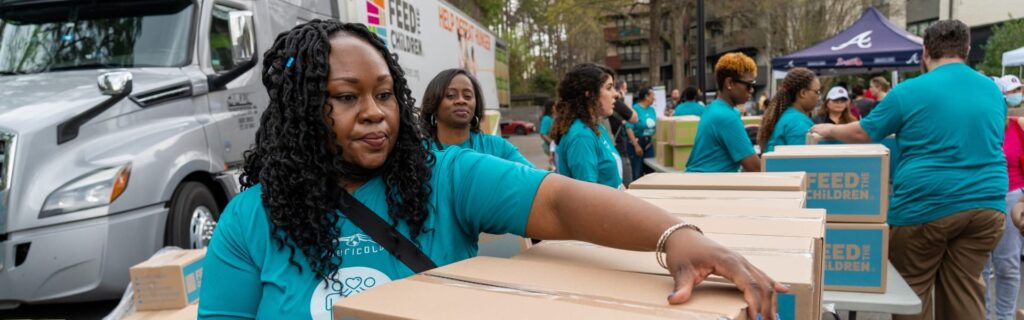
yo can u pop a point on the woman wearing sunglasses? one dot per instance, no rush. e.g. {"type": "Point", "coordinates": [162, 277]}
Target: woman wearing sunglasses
{"type": "Point", "coordinates": [722, 143]}
{"type": "Point", "coordinates": [837, 108]}
{"type": "Point", "coordinates": [787, 119]}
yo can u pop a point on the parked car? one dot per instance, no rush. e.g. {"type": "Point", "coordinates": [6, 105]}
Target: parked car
{"type": "Point", "coordinates": [517, 127]}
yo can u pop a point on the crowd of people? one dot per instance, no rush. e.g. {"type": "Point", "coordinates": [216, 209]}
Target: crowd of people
{"type": "Point", "coordinates": [342, 124]}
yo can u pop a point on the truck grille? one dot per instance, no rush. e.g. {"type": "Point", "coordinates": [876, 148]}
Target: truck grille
{"type": "Point", "coordinates": [6, 159]}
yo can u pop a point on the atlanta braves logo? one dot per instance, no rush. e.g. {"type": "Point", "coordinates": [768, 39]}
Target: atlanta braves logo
{"type": "Point", "coordinates": [862, 41]}
{"type": "Point", "coordinates": [914, 59]}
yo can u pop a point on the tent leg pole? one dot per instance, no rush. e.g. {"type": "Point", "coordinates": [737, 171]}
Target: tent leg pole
{"type": "Point", "coordinates": [895, 77]}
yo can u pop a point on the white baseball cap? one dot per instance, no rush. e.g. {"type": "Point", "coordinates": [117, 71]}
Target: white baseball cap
{"type": "Point", "coordinates": [1008, 83]}
{"type": "Point", "coordinates": [837, 93]}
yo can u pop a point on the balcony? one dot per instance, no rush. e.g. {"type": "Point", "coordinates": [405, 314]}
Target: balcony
{"type": "Point", "coordinates": [612, 34]}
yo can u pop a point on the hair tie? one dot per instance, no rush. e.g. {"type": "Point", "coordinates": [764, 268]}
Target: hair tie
{"type": "Point", "coordinates": [288, 64]}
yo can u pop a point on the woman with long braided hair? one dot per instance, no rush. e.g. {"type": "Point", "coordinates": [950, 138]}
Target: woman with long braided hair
{"type": "Point", "coordinates": [451, 112]}
{"type": "Point", "coordinates": [722, 143]}
{"type": "Point", "coordinates": [339, 132]}
{"type": "Point", "coordinates": [787, 119]}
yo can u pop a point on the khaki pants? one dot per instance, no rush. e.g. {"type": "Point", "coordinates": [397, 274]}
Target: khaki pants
{"type": "Point", "coordinates": [947, 256]}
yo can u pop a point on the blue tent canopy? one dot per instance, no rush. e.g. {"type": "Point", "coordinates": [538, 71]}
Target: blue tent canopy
{"type": "Point", "coordinates": [871, 42]}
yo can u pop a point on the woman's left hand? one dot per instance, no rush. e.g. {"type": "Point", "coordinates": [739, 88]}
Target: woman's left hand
{"type": "Point", "coordinates": [691, 258]}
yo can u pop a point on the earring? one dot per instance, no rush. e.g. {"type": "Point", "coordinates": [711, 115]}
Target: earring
{"type": "Point", "coordinates": [477, 120]}
{"type": "Point", "coordinates": [433, 120]}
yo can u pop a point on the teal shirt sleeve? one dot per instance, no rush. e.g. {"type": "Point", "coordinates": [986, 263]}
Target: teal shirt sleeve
{"type": "Point", "coordinates": [491, 195]}
{"type": "Point", "coordinates": [796, 131]}
{"type": "Point", "coordinates": [885, 118]}
{"type": "Point", "coordinates": [582, 159]}
{"type": "Point", "coordinates": [231, 277]}
{"type": "Point", "coordinates": [545, 125]}
{"type": "Point", "coordinates": [734, 138]}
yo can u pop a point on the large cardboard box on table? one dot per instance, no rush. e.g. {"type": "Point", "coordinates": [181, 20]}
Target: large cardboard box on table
{"type": "Point", "coordinates": [856, 257]}
{"type": "Point", "coordinates": [751, 120]}
{"type": "Point", "coordinates": [787, 260]}
{"type": "Point", "coordinates": [663, 154]}
{"type": "Point", "coordinates": [851, 182]}
{"type": "Point", "coordinates": [717, 194]}
{"type": "Point", "coordinates": [752, 205]}
{"type": "Point", "coordinates": [760, 181]}
{"type": "Point", "coordinates": [190, 312]}
{"type": "Point", "coordinates": [888, 142]}
{"type": "Point", "coordinates": [682, 131]}
{"type": "Point", "coordinates": [680, 156]}
{"type": "Point", "coordinates": [495, 288]}
{"type": "Point", "coordinates": [168, 281]}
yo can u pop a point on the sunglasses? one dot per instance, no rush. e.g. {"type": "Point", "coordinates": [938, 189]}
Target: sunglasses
{"type": "Point", "coordinates": [750, 85]}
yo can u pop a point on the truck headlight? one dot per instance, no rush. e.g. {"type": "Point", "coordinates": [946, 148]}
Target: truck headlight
{"type": "Point", "coordinates": [95, 189]}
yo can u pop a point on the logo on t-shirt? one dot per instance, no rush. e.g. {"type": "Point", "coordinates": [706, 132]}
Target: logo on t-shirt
{"type": "Point", "coordinates": [358, 244]}
{"type": "Point", "coordinates": [350, 281]}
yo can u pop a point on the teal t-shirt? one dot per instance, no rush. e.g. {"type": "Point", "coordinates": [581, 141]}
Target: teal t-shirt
{"type": "Point", "coordinates": [248, 276]}
{"type": "Point", "coordinates": [791, 129]}
{"type": "Point", "coordinates": [721, 140]}
{"type": "Point", "coordinates": [647, 119]}
{"type": "Point", "coordinates": [583, 155]}
{"type": "Point", "coordinates": [492, 145]}
{"type": "Point", "coordinates": [545, 125]}
{"type": "Point", "coordinates": [950, 144]}
{"type": "Point", "coordinates": [689, 108]}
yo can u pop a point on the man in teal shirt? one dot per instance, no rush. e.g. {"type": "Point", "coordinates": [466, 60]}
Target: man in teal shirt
{"type": "Point", "coordinates": [949, 187]}
{"type": "Point", "coordinates": [689, 106]}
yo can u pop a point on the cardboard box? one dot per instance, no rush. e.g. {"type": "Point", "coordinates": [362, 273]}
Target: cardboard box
{"type": "Point", "coordinates": [888, 142]}
{"type": "Point", "coordinates": [851, 182]}
{"type": "Point", "coordinates": [856, 257]}
{"type": "Point", "coordinates": [751, 120]}
{"type": "Point", "coordinates": [189, 312]}
{"type": "Point", "coordinates": [751, 205]}
{"type": "Point", "coordinates": [169, 281]}
{"type": "Point", "coordinates": [489, 125]}
{"type": "Point", "coordinates": [682, 131]}
{"type": "Point", "coordinates": [753, 181]}
{"type": "Point", "coordinates": [494, 288]}
{"type": "Point", "coordinates": [663, 154]}
{"type": "Point", "coordinates": [502, 246]}
{"type": "Point", "coordinates": [785, 259]}
{"type": "Point", "coordinates": [680, 155]}
{"type": "Point", "coordinates": [717, 194]}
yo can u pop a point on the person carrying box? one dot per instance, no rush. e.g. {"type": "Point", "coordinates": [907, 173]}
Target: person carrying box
{"type": "Point", "coordinates": [950, 184]}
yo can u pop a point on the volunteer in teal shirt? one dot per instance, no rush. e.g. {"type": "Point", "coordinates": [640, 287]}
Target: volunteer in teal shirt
{"type": "Point", "coordinates": [786, 122]}
{"type": "Point", "coordinates": [453, 107]}
{"type": "Point", "coordinates": [545, 130]}
{"type": "Point", "coordinates": [587, 156]}
{"type": "Point", "coordinates": [283, 249]}
{"type": "Point", "coordinates": [689, 107]}
{"type": "Point", "coordinates": [946, 213]}
{"type": "Point", "coordinates": [640, 133]}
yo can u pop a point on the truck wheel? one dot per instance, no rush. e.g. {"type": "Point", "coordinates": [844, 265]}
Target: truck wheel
{"type": "Point", "coordinates": [192, 216]}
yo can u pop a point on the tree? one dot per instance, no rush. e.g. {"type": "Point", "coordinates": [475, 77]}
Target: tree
{"type": "Point", "coordinates": [1006, 37]}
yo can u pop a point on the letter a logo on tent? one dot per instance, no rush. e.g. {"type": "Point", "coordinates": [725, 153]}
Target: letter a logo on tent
{"type": "Point", "coordinates": [914, 59]}
{"type": "Point", "coordinates": [862, 40]}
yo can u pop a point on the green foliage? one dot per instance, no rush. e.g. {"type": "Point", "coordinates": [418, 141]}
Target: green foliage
{"type": "Point", "coordinates": [1006, 37]}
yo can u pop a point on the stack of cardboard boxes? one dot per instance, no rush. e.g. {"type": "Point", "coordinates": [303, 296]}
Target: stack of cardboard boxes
{"type": "Point", "coordinates": [568, 279]}
{"type": "Point", "coordinates": [851, 182]}
{"type": "Point", "coordinates": [167, 286]}
{"type": "Point", "coordinates": [674, 137]}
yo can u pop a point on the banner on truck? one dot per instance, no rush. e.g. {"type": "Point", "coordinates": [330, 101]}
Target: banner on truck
{"type": "Point", "coordinates": [430, 37]}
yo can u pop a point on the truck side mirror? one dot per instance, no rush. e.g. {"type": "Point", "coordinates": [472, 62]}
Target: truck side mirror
{"type": "Point", "coordinates": [243, 49]}
{"type": "Point", "coordinates": [115, 83]}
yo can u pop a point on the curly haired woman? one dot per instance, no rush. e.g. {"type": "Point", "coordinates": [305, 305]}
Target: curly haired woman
{"type": "Point", "coordinates": [341, 121]}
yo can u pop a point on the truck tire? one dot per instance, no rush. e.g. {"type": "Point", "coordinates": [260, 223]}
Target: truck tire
{"type": "Point", "coordinates": [192, 216]}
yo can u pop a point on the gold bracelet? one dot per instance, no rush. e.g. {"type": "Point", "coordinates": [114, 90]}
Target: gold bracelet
{"type": "Point", "coordinates": [660, 248]}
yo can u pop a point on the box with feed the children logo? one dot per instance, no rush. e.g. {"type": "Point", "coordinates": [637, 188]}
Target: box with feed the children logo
{"type": "Point", "coordinates": [856, 257]}
{"type": "Point", "coordinates": [888, 142]}
{"type": "Point", "coordinates": [851, 182]}
{"type": "Point", "coordinates": [168, 281]}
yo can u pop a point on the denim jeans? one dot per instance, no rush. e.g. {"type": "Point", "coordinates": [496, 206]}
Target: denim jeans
{"type": "Point", "coordinates": [1006, 260]}
{"type": "Point", "coordinates": [637, 161]}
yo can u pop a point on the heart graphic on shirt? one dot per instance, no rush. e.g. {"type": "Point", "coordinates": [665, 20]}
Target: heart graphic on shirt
{"type": "Point", "coordinates": [354, 283]}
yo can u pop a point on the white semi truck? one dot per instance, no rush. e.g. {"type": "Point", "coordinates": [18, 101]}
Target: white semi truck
{"type": "Point", "coordinates": [122, 121]}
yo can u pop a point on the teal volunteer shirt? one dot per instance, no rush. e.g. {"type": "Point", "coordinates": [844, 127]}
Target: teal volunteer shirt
{"type": "Point", "coordinates": [688, 108]}
{"type": "Point", "coordinates": [490, 144]}
{"type": "Point", "coordinates": [545, 125]}
{"type": "Point", "coordinates": [587, 156]}
{"type": "Point", "coordinates": [791, 129]}
{"type": "Point", "coordinates": [950, 144]}
{"type": "Point", "coordinates": [248, 276]}
{"type": "Point", "coordinates": [721, 140]}
{"type": "Point", "coordinates": [646, 121]}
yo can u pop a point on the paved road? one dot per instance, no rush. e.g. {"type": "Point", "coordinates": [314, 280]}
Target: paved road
{"type": "Point", "coordinates": [86, 310]}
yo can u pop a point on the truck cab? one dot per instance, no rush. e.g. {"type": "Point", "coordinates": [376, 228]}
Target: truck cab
{"type": "Point", "coordinates": [121, 124]}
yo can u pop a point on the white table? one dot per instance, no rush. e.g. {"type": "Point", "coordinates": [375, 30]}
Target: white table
{"type": "Point", "coordinates": [897, 299]}
{"type": "Point", "coordinates": [657, 167]}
